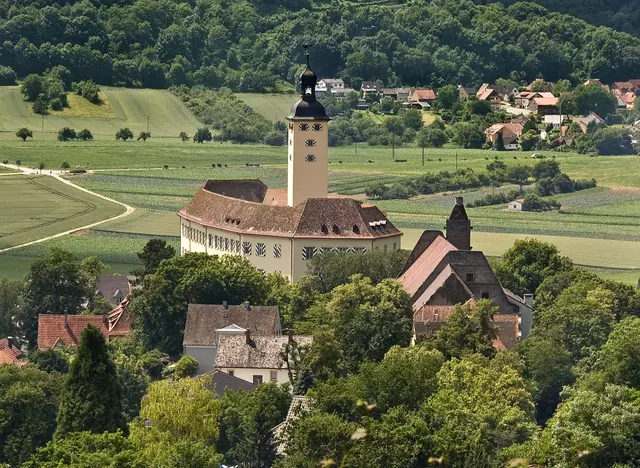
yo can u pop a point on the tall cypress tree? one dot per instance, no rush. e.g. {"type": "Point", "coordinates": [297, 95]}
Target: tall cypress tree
{"type": "Point", "coordinates": [92, 397]}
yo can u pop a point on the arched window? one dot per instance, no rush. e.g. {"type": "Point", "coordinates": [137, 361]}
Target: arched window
{"type": "Point", "coordinates": [336, 229]}
{"type": "Point", "coordinates": [356, 229]}
{"type": "Point", "coordinates": [303, 126]}
{"type": "Point", "coordinates": [310, 143]}
{"type": "Point", "coordinates": [325, 230]}
{"type": "Point", "coordinates": [310, 158]}
{"type": "Point", "coordinates": [316, 127]}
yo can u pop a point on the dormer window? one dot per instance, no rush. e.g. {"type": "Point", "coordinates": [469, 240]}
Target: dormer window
{"type": "Point", "coordinates": [316, 127]}
{"type": "Point", "coordinates": [336, 229]}
{"type": "Point", "coordinates": [310, 158]}
{"type": "Point", "coordinates": [303, 126]}
{"type": "Point", "coordinates": [310, 143]}
{"type": "Point", "coordinates": [356, 229]}
{"type": "Point", "coordinates": [325, 229]}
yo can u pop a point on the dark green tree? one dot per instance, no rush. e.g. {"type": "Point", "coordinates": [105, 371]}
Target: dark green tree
{"type": "Point", "coordinates": [32, 87]}
{"type": "Point", "coordinates": [124, 134]}
{"type": "Point", "coordinates": [202, 134]}
{"type": "Point", "coordinates": [92, 396]}
{"type": "Point", "coordinates": [499, 144]}
{"type": "Point", "coordinates": [154, 252]}
{"type": "Point", "coordinates": [67, 134]}
{"type": "Point", "coordinates": [24, 133]}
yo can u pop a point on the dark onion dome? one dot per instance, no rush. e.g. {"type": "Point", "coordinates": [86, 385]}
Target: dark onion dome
{"type": "Point", "coordinates": [308, 107]}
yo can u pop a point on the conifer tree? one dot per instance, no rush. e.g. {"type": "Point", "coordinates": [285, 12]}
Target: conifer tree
{"type": "Point", "coordinates": [499, 144]}
{"type": "Point", "coordinates": [92, 397]}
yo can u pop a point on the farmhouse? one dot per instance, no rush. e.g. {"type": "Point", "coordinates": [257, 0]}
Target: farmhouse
{"type": "Point", "coordinates": [486, 93]}
{"type": "Point", "coordinates": [465, 92]}
{"type": "Point", "coordinates": [207, 323]}
{"type": "Point", "coordinates": [516, 205]}
{"type": "Point", "coordinates": [422, 98]}
{"type": "Point", "coordinates": [444, 271]}
{"type": "Point", "coordinates": [280, 230]}
{"type": "Point", "coordinates": [256, 359]}
{"type": "Point", "coordinates": [398, 94]}
{"type": "Point", "coordinates": [523, 99]}
{"type": "Point", "coordinates": [544, 105]}
{"type": "Point", "coordinates": [510, 132]}
{"type": "Point", "coordinates": [554, 120]}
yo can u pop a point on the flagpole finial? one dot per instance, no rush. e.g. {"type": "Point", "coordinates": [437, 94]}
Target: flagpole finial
{"type": "Point", "coordinates": [306, 52]}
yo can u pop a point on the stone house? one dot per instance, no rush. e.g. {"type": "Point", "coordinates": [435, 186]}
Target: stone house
{"type": "Point", "coordinates": [208, 323]}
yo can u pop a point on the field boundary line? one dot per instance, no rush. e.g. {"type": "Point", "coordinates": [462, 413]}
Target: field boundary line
{"type": "Point", "coordinates": [128, 210]}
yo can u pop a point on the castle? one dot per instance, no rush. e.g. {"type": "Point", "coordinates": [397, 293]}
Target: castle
{"type": "Point", "coordinates": [280, 230]}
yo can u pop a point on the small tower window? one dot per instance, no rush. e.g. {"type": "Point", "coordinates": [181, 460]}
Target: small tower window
{"type": "Point", "coordinates": [356, 229]}
{"type": "Point", "coordinates": [469, 277]}
{"type": "Point", "coordinates": [335, 229]}
{"type": "Point", "coordinates": [310, 143]}
{"type": "Point", "coordinates": [325, 229]}
{"type": "Point", "coordinates": [310, 158]}
{"type": "Point", "coordinates": [316, 127]}
{"type": "Point", "coordinates": [303, 126]}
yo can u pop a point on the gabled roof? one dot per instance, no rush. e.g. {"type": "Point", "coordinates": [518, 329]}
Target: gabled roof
{"type": "Point", "coordinates": [203, 320]}
{"type": "Point", "coordinates": [332, 81]}
{"type": "Point", "coordinates": [244, 206]}
{"type": "Point", "coordinates": [423, 95]}
{"type": "Point", "coordinates": [221, 381]}
{"type": "Point", "coordinates": [487, 93]}
{"type": "Point", "coordinates": [449, 283]}
{"type": "Point", "coordinates": [9, 354]}
{"type": "Point", "coordinates": [414, 277]}
{"type": "Point", "coordinates": [299, 404]}
{"type": "Point", "coordinates": [110, 285]}
{"type": "Point", "coordinates": [508, 329]}
{"type": "Point", "coordinates": [624, 85]}
{"type": "Point", "coordinates": [119, 320]}
{"type": "Point", "coordinates": [546, 101]}
{"type": "Point", "coordinates": [52, 329]}
{"type": "Point", "coordinates": [261, 352]}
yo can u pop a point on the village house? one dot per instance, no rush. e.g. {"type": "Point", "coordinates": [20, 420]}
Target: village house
{"type": "Point", "coordinates": [491, 95]}
{"type": "Point", "coordinates": [113, 288]}
{"type": "Point", "coordinates": [523, 99]}
{"type": "Point", "coordinates": [465, 92]}
{"type": "Point", "coordinates": [207, 323]}
{"type": "Point", "coordinates": [281, 230]}
{"type": "Point", "coordinates": [543, 105]}
{"type": "Point", "coordinates": [554, 120]}
{"type": "Point", "coordinates": [341, 93]}
{"type": "Point", "coordinates": [65, 330]}
{"type": "Point", "coordinates": [255, 358]}
{"type": "Point", "coordinates": [221, 381]}
{"type": "Point", "coordinates": [370, 88]}
{"type": "Point", "coordinates": [10, 354]}
{"type": "Point", "coordinates": [300, 405]}
{"type": "Point", "coordinates": [511, 133]}
{"type": "Point", "coordinates": [422, 98]}
{"type": "Point", "coordinates": [444, 271]}
{"type": "Point", "coordinates": [585, 122]}
{"type": "Point", "coordinates": [595, 81]}
{"type": "Point", "coordinates": [397, 94]}
{"type": "Point", "coordinates": [547, 84]}
{"type": "Point", "coordinates": [516, 205]}
{"type": "Point", "coordinates": [326, 85]}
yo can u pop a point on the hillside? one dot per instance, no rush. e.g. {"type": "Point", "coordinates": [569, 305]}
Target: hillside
{"type": "Point", "coordinates": [622, 15]}
{"type": "Point", "coordinates": [124, 108]}
{"type": "Point", "coordinates": [256, 46]}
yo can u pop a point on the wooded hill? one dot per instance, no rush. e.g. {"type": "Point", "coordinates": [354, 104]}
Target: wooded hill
{"type": "Point", "coordinates": [256, 46]}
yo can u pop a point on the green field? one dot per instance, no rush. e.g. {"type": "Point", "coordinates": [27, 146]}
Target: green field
{"type": "Point", "coordinates": [599, 227]}
{"type": "Point", "coordinates": [34, 207]}
{"type": "Point", "coordinates": [167, 116]}
{"type": "Point", "coordinates": [271, 106]}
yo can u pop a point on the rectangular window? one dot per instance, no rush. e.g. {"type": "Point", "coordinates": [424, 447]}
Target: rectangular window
{"type": "Point", "coordinates": [395, 246]}
{"type": "Point", "coordinates": [257, 379]}
{"type": "Point", "coordinates": [210, 240]}
{"type": "Point", "coordinates": [273, 377]}
{"type": "Point", "coordinates": [385, 247]}
{"type": "Point", "coordinates": [308, 253]}
{"type": "Point", "coordinates": [277, 251]}
{"type": "Point", "coordinates": [238, 247]}
{"type": "Point", "coordinates": [485, 295]}
{"type": "Point", "coordinates": [516, 308]}
{"type": "Point", "coordinates": [226, 244]}
{"type": "Point", "coordinates": [231, 373]}
{"type": "Point", "coordinates": [246, 248]}
{"type": "Point", "coordinates": [470, 277]}
{"type": "Point", "coordinates": [261, 249]}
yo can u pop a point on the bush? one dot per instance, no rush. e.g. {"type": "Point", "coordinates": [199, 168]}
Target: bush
{"type": "Point", "coordinates": [494, 199]}
{"type": "Point", "coordinates": [187, 366]}
{"type": "Point", "coordinates": [77, 171]}
{"type": "Point", "coordinates": [65, 165]}
{"type": "Point", "coordinates": [85, 135]}
{"type": "Point", "coordinates": [7, 76]}
{"type": "Point", "coordinates": [275, 138]}
{"type": "Point", "coordinates": [88, 90]}
{"type": "Point", "coordinates": [67, 134]}
{"type": "Point", "coordinates": [24, 133]}
{"type": "Point", "coordinates": [202, 134]}
{"type": "Point", "coordinates": [533, 202]}
{"type": "Point", "coordinates": [56, 104]}
{"type": "Point", "coordinates": [144, 135]}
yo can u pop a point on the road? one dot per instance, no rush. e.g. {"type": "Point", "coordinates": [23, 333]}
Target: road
{"type": "Point", "coordinates": [56, 174]}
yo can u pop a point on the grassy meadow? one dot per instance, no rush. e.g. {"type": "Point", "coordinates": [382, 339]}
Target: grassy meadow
{"type": "Point", "coordinates": [167, 115]}
{"type": "Point", "coordinates": [34, 207]}
{"type": "Point", "coordinates": [271, 106]}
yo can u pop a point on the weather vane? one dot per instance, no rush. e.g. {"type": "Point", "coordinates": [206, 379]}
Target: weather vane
{"type": "Point", "coordinates": [306, 52]}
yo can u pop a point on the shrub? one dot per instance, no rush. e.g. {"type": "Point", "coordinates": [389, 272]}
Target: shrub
{"type": "Point", "coordinates": [202, 134]}
{"type": "Point", "coordinates": [187, 366]}
{"type": "Point", "coordinates": [533, 202]}
{"type": "Point", "coordinates": [56, 104]}
{"type": "Point", "coordinates": [274, 138]}
{"type": "Point", "coordinates": [88, 90]}
{"type": "Point", "coordinates": [67, 134]}
{"type": "Point", "coordinates": [85, 135]}
{"type": "Point", "coordinates": [7, 76]}
{"type": "Point", "coordinates": [65, 165]}
{"type": "Point", "coordinates": [144, 135]}
{"type": "Point", "coordinates": [77, 171]}
{"type": "Point", "coordinates": [5, 161]}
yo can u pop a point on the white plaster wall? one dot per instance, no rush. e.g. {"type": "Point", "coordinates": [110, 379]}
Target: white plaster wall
{"type": "Point", "coordinates": [206, 356]}
{"type": "Point", "coordinates": [247, 374]}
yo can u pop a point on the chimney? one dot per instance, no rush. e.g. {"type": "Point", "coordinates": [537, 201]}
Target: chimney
{"type": "Point", "coordinates": [528, 300]}
{"type": "Point", "coordinates": [225, 307]}
{"type": "Point", "coordinates": [225, 304]}
{"type": "Point", "coordinates": [66, 320]}
{"type": "Point", "coordinates": [247, 306]}
{"type": "Point", "coordinates": [248, 339]}
{"type": "Point", "coordinates": [10, 341]}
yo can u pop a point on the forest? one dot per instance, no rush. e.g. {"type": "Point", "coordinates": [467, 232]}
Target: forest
{"type": "Point", "coordinates": [257, 46]}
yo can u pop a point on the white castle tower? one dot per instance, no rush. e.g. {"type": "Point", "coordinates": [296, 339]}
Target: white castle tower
{"type": "Point", "coordinates": [308, 144]}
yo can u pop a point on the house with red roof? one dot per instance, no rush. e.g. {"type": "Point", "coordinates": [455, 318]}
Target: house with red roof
{"type": "Point", "coordinates": [422, 98]}
{"type": "Point", "coordinates": [10, 354]}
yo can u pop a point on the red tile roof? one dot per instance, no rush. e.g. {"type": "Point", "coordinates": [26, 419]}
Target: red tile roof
{"type": "Point", "coordinates": [119, 320]}
{"type": "Point", "coordinates": [486, 94]}
{"type": "Point", "coordinates": [9, 354]}
{"type": "Point", "coordinates": [52, 329]}
{"type": "Point", "coordinates": [414, 277]}
{"type": "Point", "coordinates": [546, 101]}
{"type": "Point", "coordinates": [248, 206]}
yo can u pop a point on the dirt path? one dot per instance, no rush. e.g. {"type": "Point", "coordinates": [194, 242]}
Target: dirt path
{"type": "Point", "coordinates": [56, 175]}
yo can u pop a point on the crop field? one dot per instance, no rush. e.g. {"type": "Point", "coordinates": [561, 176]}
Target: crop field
{"type": "Point", "coordinates": [34, 207]}
{"type": "Point", "coordinates": [164, 113]}
{"type": "Point", "coordinates": [271, 106]}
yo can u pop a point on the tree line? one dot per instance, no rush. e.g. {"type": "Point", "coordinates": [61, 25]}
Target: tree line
{"type": "Point", "coordinates": [255, 46]}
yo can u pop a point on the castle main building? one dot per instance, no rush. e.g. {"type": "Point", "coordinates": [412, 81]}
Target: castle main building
{"type": "Point", "coordinates": [280, 230]}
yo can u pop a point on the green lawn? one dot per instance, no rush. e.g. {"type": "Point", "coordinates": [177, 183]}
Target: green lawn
{"type": "Point", "coordinates": [271, 106]}
{"type": "Point", "coordinates": [38, 206]}
{"type": "Point", "coordinates": [167, 115]}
